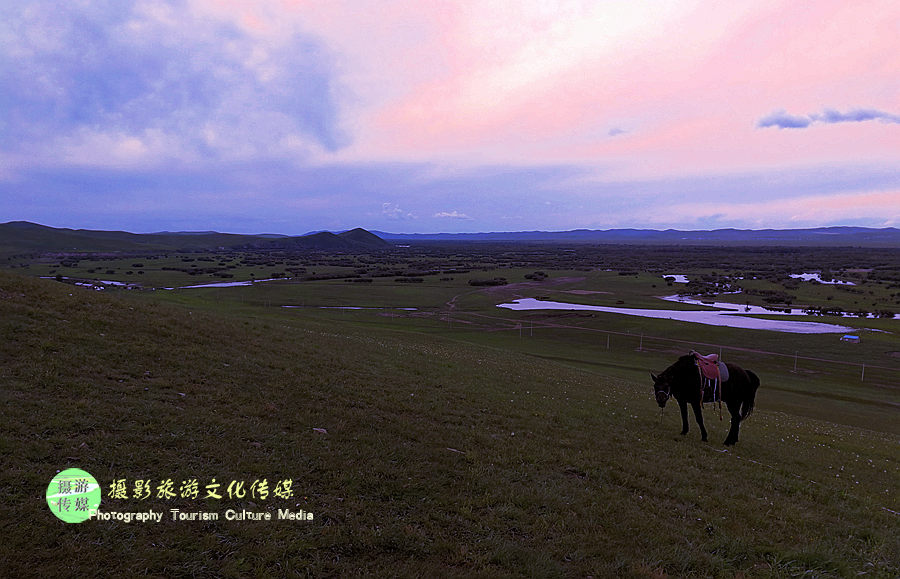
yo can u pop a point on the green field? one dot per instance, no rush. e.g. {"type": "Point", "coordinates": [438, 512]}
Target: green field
{"type": "Point", "coordinates": [453, 439]}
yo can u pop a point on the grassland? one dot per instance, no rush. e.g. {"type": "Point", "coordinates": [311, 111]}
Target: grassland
{"type": "Point", "coordinates": [453, 440]}
{"type": "Point", "coordinates": [815, 375]}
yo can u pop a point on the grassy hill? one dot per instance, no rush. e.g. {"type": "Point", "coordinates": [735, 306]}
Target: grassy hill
{"type": "Point", "coordinates": [26, 237]}
{"type": "Point", "coordinates": [418, 456]}
{"type": "Point", "coordinates": [22, 237]}
{"type": "Point", "coordinates": [355, 239]}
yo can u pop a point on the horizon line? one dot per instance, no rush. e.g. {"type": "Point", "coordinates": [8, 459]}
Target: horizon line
{"type": "Point", "coordinates": [508, 232]}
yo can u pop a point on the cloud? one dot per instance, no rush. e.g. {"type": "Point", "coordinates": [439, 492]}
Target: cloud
{"type": "Point", "coordinates": [281, 197]}
{"type": "Point", "coordinates": [395, 213]}
{"type": "Point", "coordinates": [782, 120]}
{"type": "Point", "coordinates": [141, 74]}
{"type": "Point", "coordinates": [451, 215]}
{"type": "Point", "coordinates": [490, 108]}
{"type": "Point", "coordinates": [856, 116]}
{"type": "Point", "coordinates": [874, 209]}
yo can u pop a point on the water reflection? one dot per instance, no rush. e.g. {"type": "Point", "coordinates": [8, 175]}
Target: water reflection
{"type": "Point", "coordinates": [731, 317]}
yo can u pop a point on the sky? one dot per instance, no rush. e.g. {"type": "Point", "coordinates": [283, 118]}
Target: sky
{"type": "Point", "coordinates": [290, 116]}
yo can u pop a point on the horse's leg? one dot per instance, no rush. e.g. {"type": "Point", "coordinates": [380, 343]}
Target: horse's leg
{"type": "Point", "coordinates": [698, 414]}
{"type": "Point", "coordinates": [734, 408]}
{"type": "Point", "coordinates": [684, 419]}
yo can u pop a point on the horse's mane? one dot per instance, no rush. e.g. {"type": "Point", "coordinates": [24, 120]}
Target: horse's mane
{"type": "Point", "coordinates": [680, 364]}
{"type": "Point", "coordinates": [685, 361]}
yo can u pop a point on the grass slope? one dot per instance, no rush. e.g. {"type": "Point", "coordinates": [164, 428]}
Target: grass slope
{"type": "Point", "coordinates": [440, 458]}
{"type": "Point", "coordinates": [23, 237]}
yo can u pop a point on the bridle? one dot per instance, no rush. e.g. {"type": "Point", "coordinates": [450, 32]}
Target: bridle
{"type": "Point", "coordinates": [667, 391]}
{"type": "Point", "coordinates": [662, 395]}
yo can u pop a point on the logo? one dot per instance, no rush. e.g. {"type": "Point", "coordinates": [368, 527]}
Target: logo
{"type": "Point", "coordinates": [73, 495]}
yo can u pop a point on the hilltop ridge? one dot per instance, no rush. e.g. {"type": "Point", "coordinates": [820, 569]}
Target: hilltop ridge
{"type": "Point", "coordinates": [27, 237]}
{"type": "Point", "coordinates": [24, 236]}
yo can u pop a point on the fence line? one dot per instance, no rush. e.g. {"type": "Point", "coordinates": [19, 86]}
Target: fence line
{"type": "Point", "coordinates": [554, 325]}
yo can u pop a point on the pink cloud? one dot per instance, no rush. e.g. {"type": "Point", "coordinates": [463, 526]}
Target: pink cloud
{"type": "Point", "coordinates": [796, 212]}
{"type": "Point", "coordinates": [525, 86]}
{"type": "Point", "coordinates": [523, 83]}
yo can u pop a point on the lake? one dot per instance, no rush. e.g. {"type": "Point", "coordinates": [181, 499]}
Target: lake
{"type": "Point", "coordinates": [817, 277]}
{"type": "Point", "coordinates": [230, 283]}
{"type": "Point", "coordinates": [731, 317]}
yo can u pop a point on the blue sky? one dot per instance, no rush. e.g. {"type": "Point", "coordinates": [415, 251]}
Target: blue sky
{"type": "Point", "coordinates": [285, 116]}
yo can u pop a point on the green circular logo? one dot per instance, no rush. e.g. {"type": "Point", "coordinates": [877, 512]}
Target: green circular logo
{"type": "Point", "coordinates": [73, 495]}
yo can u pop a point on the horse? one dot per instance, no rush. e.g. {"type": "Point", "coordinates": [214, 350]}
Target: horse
{"type": "Point", "coordinates": [683, 381]}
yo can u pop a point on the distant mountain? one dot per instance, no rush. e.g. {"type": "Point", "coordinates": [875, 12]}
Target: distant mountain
{"type": "Point", "coordinates": [363, 237]}
{"type": "Point", "coordinates": [356, 239]}
{"type": "Point", "coordinates": [821, 236]}
{"type": "Point", "coordinates": [25, 237]}
{"type": "Point", "coordinates": [183, 233]}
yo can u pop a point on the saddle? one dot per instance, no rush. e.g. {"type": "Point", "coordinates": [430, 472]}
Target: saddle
{"type": "Point", "coordinates": [710, 367]}
{"type": "Point", "coordinates": [712, 374]}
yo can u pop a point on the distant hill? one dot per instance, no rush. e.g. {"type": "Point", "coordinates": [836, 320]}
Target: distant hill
{"type": "Point", "coordinates": [361, 236]}
{"type": "Point", "coordinates": [821, 236]}
{"type": "Point", "coordinates": [355, 239]}
{"type": "Point", "coordinates": [26, 237]}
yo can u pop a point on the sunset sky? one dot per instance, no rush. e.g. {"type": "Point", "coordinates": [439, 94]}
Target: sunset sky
{"type": "Point", "coordinates": [291, 116]}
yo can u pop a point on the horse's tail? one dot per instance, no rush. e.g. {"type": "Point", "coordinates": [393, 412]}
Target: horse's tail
{"type": "Point", "coordinates": [747, 403]}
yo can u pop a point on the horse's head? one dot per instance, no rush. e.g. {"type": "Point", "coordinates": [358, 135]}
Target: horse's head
{"type": "Point", "coordinates": [661, 388]}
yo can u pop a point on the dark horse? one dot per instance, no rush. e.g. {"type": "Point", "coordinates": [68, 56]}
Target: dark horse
{"type": "Point", "coordinates": [682, 380]}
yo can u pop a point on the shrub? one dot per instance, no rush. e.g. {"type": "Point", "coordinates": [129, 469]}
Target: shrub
{"type": "Point", "coordinates": [488, 282]}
